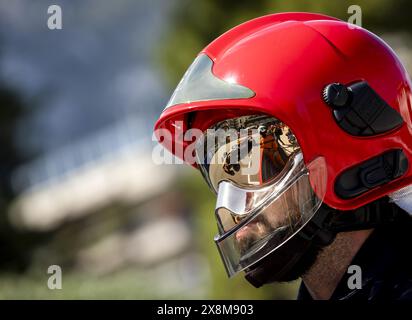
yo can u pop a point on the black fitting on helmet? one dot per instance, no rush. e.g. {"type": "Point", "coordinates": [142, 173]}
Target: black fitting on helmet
{"type": "Point", "coordinates": [359, 110]}
{"type": "Point", "coordinates": [336, 95]}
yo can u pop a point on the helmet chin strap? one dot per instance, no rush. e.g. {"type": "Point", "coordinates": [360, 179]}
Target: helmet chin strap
{"type": "Point", "coordinates": [319, 232]}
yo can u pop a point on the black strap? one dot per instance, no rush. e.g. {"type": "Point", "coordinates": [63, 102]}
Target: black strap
{"type": "Point", "coordinates": [379, 212]}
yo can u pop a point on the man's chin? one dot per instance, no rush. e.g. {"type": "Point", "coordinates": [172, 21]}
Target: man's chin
{"type": "Point", "coordinates": [302, 266]}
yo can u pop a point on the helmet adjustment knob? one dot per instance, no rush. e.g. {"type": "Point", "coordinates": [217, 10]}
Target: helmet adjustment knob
{"type": "Point", "coordinates": [336, 95]}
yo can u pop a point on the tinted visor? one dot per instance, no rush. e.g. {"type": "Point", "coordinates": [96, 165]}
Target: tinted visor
{"type": "Point", "coordinates": [265, 191]}
{"type": "Point", "coordinates": [249, 151]}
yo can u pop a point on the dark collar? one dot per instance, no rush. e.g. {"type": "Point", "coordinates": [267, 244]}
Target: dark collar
{"type": "Point", "coordinates": [379, 259]}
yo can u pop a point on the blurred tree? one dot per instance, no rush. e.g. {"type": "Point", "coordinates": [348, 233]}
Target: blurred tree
{"type": "Point", "coordinates": [12, 253]}
{"type": "Point", "coordinates": [15, 245]}
{"type": "Point", "coordinates": [11, 109]}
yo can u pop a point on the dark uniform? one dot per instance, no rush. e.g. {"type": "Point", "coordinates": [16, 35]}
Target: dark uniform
{"type": "Point", "coordinates": [386, 263]}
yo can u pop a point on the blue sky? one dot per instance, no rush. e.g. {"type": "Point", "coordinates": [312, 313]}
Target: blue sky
{"type": "Point", "coordinates": [94, 73]}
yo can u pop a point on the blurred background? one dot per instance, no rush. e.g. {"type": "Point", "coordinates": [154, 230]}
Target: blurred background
{"type": "Point", "coordinates": [78, 187]}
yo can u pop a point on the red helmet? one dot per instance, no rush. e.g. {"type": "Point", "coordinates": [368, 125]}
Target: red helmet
{"type": "Point", "coordinates": [341, 89]}
{"type": "Point", "coordinates": [330, 102]}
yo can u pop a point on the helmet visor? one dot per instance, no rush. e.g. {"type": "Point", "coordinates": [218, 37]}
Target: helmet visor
{"type": "Point", "coordinates": [265, 191]}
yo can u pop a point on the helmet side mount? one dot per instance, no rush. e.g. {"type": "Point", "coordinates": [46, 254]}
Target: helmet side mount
{"type": "Point", "coordinates": [370, 174]}
{"type": "Point", "coordinates": [359, 110]}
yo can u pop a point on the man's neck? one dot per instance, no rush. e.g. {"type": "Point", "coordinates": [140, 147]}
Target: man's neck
{"type": "Point", "coordinates": [324, 276]}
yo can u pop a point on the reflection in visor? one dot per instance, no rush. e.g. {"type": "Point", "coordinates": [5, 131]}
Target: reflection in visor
{"type": "Point", "coordinates": [236, 203]}
{"type": "Point", "coordinates": [258, 210]}
{"type": "Point", "coordinates": [248, 151]}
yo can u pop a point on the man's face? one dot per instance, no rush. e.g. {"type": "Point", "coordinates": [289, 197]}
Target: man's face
{"type": "Point", "coordinates": [257, 210]}
{"type": "Point", "coordinates": [278, 220]}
